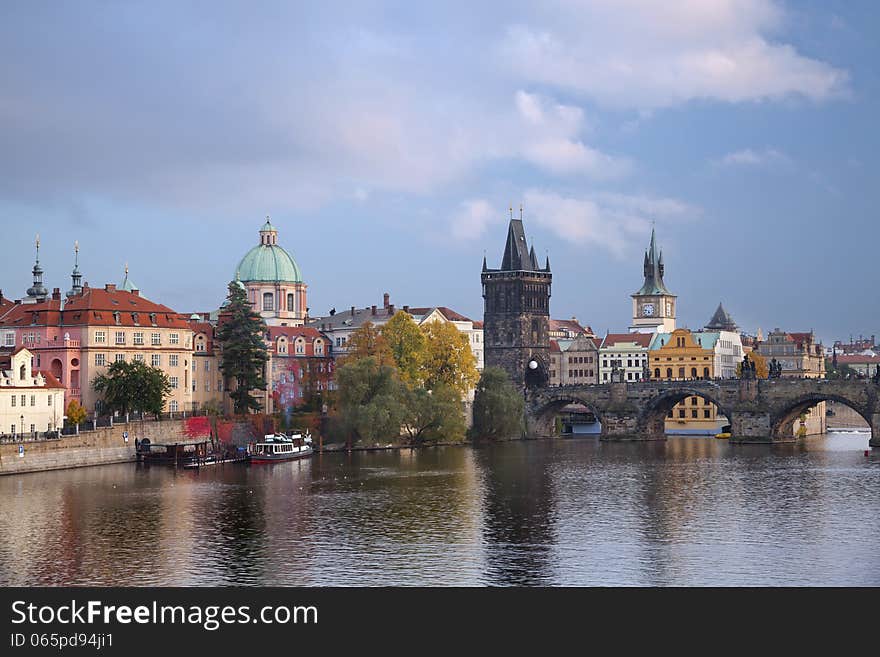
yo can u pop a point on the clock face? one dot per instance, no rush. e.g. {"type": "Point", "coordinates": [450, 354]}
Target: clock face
{"type": "Point", "coordinates": [648, 309]}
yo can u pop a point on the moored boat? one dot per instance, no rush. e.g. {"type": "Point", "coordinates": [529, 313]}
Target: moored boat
{"type": "Point", "coordinates": [279, 447]}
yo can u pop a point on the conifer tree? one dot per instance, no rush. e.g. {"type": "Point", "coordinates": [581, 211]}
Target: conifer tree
{"type": "Point", "coordinates": [244, 353]}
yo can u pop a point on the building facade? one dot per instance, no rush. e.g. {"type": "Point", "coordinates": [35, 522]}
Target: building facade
{"type": "Point", "coordinates": [31, 402]}
{"type": "Point", "coordinates": [624, 354]}
{"type": "Point", "coordinates": [574, 361]}
{"type": "Point", "coordinates": [516, 312]}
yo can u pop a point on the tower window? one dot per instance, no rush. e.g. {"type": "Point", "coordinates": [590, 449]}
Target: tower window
{"type": "Point", "coordinates": [268, 301]}
{"type": "Point", "coordinates": [290, 303]}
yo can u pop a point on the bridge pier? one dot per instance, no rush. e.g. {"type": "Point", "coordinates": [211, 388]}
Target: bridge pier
{"type": "Point", "coordinates": [627, 425]}
{"type": "Point", "coordinates": [752, 427]}
{"type": "Point", "coordinates": [875, 431]}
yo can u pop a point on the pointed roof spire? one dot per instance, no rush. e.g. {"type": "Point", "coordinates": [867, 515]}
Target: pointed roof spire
{"type": "Point", "coordinates": [534, 259]}
{"type": "Point", "coordinates": [37, 292]}
{"type": "Point", "coordinates": [653, 270]}
{"type": "Point", "coordinates": [547, 266]}
{"type": "Point", "coordinates": [75, 275]}
{"type": "Point", "coordinates": [128, 284]}
{"type": "Point", "coordinates": [484, 261]}
{"type": "Point", "coordinates": [721, 320]}
{"type": "Point", "coordinates": [516, 252]}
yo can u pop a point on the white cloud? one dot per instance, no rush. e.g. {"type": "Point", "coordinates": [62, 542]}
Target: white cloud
{"type": "Point", "coordinates": [648, 54]}
{"type": "Point", "coordinates": [768, 157]}
{"type": "Point", "coordinates": [615, 222]}
{"type": "Point", "coordinates": [473, 218]}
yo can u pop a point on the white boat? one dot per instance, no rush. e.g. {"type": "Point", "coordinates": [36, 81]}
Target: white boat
{"type": "Point", "coordinates": [280, 447]}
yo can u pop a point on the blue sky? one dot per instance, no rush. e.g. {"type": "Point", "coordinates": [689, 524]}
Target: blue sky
{"type": "Point", "coordinates": [387, 141]}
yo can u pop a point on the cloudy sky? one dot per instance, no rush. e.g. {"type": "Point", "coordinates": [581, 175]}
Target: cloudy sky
{"type": "Point", "coordinates": [388, 140]}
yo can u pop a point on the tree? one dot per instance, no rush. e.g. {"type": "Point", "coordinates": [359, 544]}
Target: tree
{"type": "Point", "coordinates": [762, 371]}
{"type": "Point", "coordinates": [449, 360]}
{"type": "Point", "coordinates": [370, 399]}
{"type": "Point", "coordinates": [368, 342]}
{"type": "Point", "coordinates": [408, 346]}
{"type": "Point", "coordinates": [76, 414]}
{"type": "Point", "coordinates": [839, 371]}
{"type": "Point", "coordinates": [433, 415]}
{"type": "Point", "coordinates": [498, 406]}
{"type": "Point", "coordinates": [133, 387]}
{"type": "Point", "coordinates": [243, 351]}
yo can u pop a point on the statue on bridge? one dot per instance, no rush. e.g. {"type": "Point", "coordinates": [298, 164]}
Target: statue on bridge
{"type": "Point", "coordinates": [877, 375]}
{"type": "Point", "coordinates": [775, 369]}
{"type": "Point", "coordinates": [748, 368]}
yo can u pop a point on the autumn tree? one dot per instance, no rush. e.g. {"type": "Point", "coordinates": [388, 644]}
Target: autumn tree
{"type": "Point", "coordinates": [449, 360]}
{"type": "Point", "coordinates": [498, 406]}
{"type": "Point", "coordinates": [243, 351]}
{"type": "Point", "coordinates": [368, 342]}
{"type": "Point", "coordinates": [408, 346]}
{"type": "Point", "coordinates": [76, 414]}
{"type": "Point", "coordinates": [762, 371]}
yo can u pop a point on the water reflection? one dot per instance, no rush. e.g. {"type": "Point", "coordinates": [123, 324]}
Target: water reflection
{"type": "Point", "coordinates": [578, 512]}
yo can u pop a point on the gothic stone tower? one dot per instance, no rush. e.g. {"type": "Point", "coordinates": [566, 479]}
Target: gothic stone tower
{"type": "Point", "coordinates": [516, 316]}
{"type": "Point", "coordinates": [653, 304]}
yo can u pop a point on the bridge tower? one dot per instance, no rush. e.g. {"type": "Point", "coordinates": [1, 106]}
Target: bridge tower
{"type": "Point", "coordinates": [516, 311]}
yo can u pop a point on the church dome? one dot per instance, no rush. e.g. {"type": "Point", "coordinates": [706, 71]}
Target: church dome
{"type": "Point", "coordinates": [268, 262]}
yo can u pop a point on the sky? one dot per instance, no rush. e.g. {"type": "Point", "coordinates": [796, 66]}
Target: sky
{"type": "Point", "coordinates": [388, 140]}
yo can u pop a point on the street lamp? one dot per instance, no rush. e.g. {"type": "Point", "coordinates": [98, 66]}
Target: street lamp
{"type": "Point", "coordinates": [533, 365]}
{"type": "Point", "coordinates": [22, 425]}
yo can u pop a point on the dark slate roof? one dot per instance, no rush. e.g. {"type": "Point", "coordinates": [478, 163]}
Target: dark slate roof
{"type": "Point", "coordinates": [516, 251]}
{"type": "Point", "coordinates": [653, 269]}
{"type": "Point", "coordinates": [721, 321]}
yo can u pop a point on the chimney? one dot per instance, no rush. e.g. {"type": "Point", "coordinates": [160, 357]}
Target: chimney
{"type": "Point", "coordinates": [372, 310]}
{"type": "Point", "coordinates": [110, 287]}
{"type": "Point", "coordinates": [386, 298]}
{"type": "Point", "coordinates": [352, 311]}
{"type": "Point", "coordinates": [1, 296]}
{"type": "Point", "coordinates": [85, 286]}
{"type": "Point", "coordinates": [390, 309]}
{"type": "Point", "coordinates": [406, 309]}
{"type": "Point", "coordinates": [136, 293]}
{"type": "Point", "coordinates": [56, 294]}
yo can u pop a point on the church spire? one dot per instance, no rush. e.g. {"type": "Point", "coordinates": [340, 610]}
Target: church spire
{"type": "Point", "coordinates": [653, 270]}
{"type": "Point", "coordinates": [37, 293]}
{"type": "Point", "coordinates": [75, 275]}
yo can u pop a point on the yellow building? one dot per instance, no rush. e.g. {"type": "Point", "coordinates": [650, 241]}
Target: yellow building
{"type": "Point", "coordinates": [680, 356]}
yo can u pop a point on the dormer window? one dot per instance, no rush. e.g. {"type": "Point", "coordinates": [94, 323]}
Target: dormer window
{"type": "Point", "coordinates": [153, 319]}
{"type": "Point", "coordinates": [135, 318]}
{"type": "Point", "coordinates": [116, 317]}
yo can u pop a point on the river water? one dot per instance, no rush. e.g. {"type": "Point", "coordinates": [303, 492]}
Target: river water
{"type": "Point", "coordinates": [687, 511]}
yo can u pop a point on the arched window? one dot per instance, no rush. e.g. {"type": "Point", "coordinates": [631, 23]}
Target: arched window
{"type": "Point", "coordinates": [680, 372]}
{"type": "Point", "coordinates": [268, 301]}
{"type": "Point", "coordinates": [657, 373]}
{"type": "Point", "coordinates": [22, 372]}
{"type": "Point", "coordinates": [705, 372]}
{"type": "Point", "coordinates": [668, 372]}
{"type": "Point", "coordinates": [693, 372]}
{"type": "Point", "coordinates": [290, 303]}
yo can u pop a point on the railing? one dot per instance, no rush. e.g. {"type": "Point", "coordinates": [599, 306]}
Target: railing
{"type": "Point", "coordinates": [100, 422]}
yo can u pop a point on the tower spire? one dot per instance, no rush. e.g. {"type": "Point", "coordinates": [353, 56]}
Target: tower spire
{"type": "Point", "coordinates": [37, 293]}
{"type": "Point", "coordinates": [75, 275]}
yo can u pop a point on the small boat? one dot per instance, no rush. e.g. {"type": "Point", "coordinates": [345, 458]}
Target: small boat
{"type": "Point", "coordinates": [723, 435]}
{"type": "Point", "coordinates": [279, 447]}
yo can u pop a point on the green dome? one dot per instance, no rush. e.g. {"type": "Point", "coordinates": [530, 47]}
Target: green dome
{"type": "Point", "coordinates": [268, 262]}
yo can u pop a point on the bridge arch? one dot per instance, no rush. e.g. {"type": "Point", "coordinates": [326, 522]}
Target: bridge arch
{"type": "Point", "coordinates": [783, 419]}
{"type": "Point", "coordinates": [543, 408]}
{"type": "Point", "coordinates": [657, 408]}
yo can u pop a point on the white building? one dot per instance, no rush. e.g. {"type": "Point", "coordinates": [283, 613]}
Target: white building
{"type": "Point", "coordinates": [628, 352]}
{"type": "Point", "coordinates": [31, 402]}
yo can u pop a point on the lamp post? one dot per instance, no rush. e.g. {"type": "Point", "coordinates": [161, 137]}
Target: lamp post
{"type": "Point", "coordinates": [22, 425]}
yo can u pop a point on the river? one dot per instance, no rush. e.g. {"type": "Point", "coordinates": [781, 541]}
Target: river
{"type": "Point", "coordinates": [687, 511]}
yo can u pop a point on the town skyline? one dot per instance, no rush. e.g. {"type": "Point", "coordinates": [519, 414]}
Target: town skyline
{"type": "Point", "coordinates": [388, 169]}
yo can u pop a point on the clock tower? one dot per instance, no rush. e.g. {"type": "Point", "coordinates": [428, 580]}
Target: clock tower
{"type": "Point", "coordinates": [653, 304]}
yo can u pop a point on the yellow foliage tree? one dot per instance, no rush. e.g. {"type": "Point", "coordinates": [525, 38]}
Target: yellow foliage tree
{"type": "Point", "coordinates": [76, 414]}
{"type": "Point", "coordinates": [449, 360]}
{"type": "Point", "coordinates": [368, 342]}
{"type": "Point", "coordinates": [408, 346]}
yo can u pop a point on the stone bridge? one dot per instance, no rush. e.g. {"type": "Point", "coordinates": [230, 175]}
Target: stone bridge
{"type": "Point", "coordinates": [761, 410]}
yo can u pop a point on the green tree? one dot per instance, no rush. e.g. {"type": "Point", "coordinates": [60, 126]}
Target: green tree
{"type": "Point", "coordinates": [133, 387]}
{"type": "Point", "coordinates": [432, 415]}
{"type": "Point", "coordinates": [76, 414]}
{"type": "Point", "coordinates": [367, 342]}
{"type": "Point", "coordinates": [370, 400]}
{"type": "Point", "coordinates": [408, 346]}
{"type": "Point", "coordinates": [841, 371]}
{"type": "Point", "coordinates": [498, 406]}
{"type": "Point", "coordinates": [243, 350]}
{"type": "Point", "coordinates": [449, 360]}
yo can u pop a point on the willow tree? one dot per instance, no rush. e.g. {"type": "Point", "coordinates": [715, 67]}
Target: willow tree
{"type": "Point", "coordinates": [243, 350]}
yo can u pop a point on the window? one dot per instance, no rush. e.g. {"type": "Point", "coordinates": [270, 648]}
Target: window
{"type": "Point", "coordinates": [694, 414]}
{"type": "Point", "coordinates": [268, 301]}
{"type": "Point", "coordinates": [100, 360]}
{"type": "Point", "coordinates": [173, 406]}
{"type": "Point", "coordinates": [138, 338]}
{"type": "Point", "coordinates": [174, 338]}
{"type": "Point", "coordinates": [120, 337]}
{"type": "Point", "coordinates": [9, 339]}
{"type": "Point", "coordinates": [50, 400]}
{"type": "Point", "coordinates": [100, 337]}
{"type": "Point", "coordinates": [173, 360]}
{"type": "Point", "coordinates": [14, 402]}
{"type": "Point", "coordinates": [282, 346]}
{"type": "Point", "coordinates": [139, 358]}
{"type": "Point", "coordinates": [33, 400]}
{"type": "Point", "coordinates": [156, 360]}
{"type": "Point", "coordinates": [693, 372]}
{"type": "Point", "coordinates": [680, 372]}
{"type": "Point", "coordinates": [207, 366]}
{"type": "Point", "coordinates": [681, 413]}
{"type": "Point", "coordinates": [290, 305]}
{"type": "Point", "coordinates": [319, 348]}
{"type": "Point", "coordinates": [694, 401]}
{"type": "Point", "coordinates": [120, 358]}
{"type": "Point", "coordinates": [24, 400]}
{"type": "Point", "coordinates": [207, 386]}
{"type": "Point", "coordinates": [705, 372]}
{"type": "Point", "coordinates": [300, 346]}
{"type": "Point", "coordinates": [656, 372]}
{"type": "Point", "coordinates": [175, 382]}
{"type": "Point", "coordinates": [155, 339]}
{"type": "Point", "coordinates": [668, 372]}
{"type": "Point", "coordinates": [707, 413]}
{"type": "Point", "coordinates": [670, 413]}
{"type": "Point", "coordinates": [604, 376]}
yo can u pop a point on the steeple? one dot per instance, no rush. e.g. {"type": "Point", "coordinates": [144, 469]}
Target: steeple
{"type": "Point", "coordinates": [128, 285]}
{"type": "Point", "coordinates": [653, 270]}
{"type": "Point", "coordinates": [37, 293]}
{"type": "Point", "coordinates": [534, 259]}
{"type": "Point", "coordinates": [75, 275]}
{"type": "Point", "coordinates": [722, 321]}
{"type": "Point", "coordinates": [268, 234]}
{"type": "Point", "coordinates": [516, 251]}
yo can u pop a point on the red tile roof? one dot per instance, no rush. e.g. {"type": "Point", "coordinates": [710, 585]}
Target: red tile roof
{"type": "Point", "coordinates": [857, 359]}
{"type": "Point", "coordinates": [570, 325]}
{"type": "Point", "coordinates": [554, 346]}
{"type": "Point", "coordinates": [448, 313]}
{"type": "Point", "coordinates": [641, 339]}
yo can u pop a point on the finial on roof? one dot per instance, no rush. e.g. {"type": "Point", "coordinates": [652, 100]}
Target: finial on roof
{"type": "Point", "coordinates": [511, 212]}
{"type": "Point", "coordinates": [126, 270]}
{"type": "Point", "coordinates": [520, 211]}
